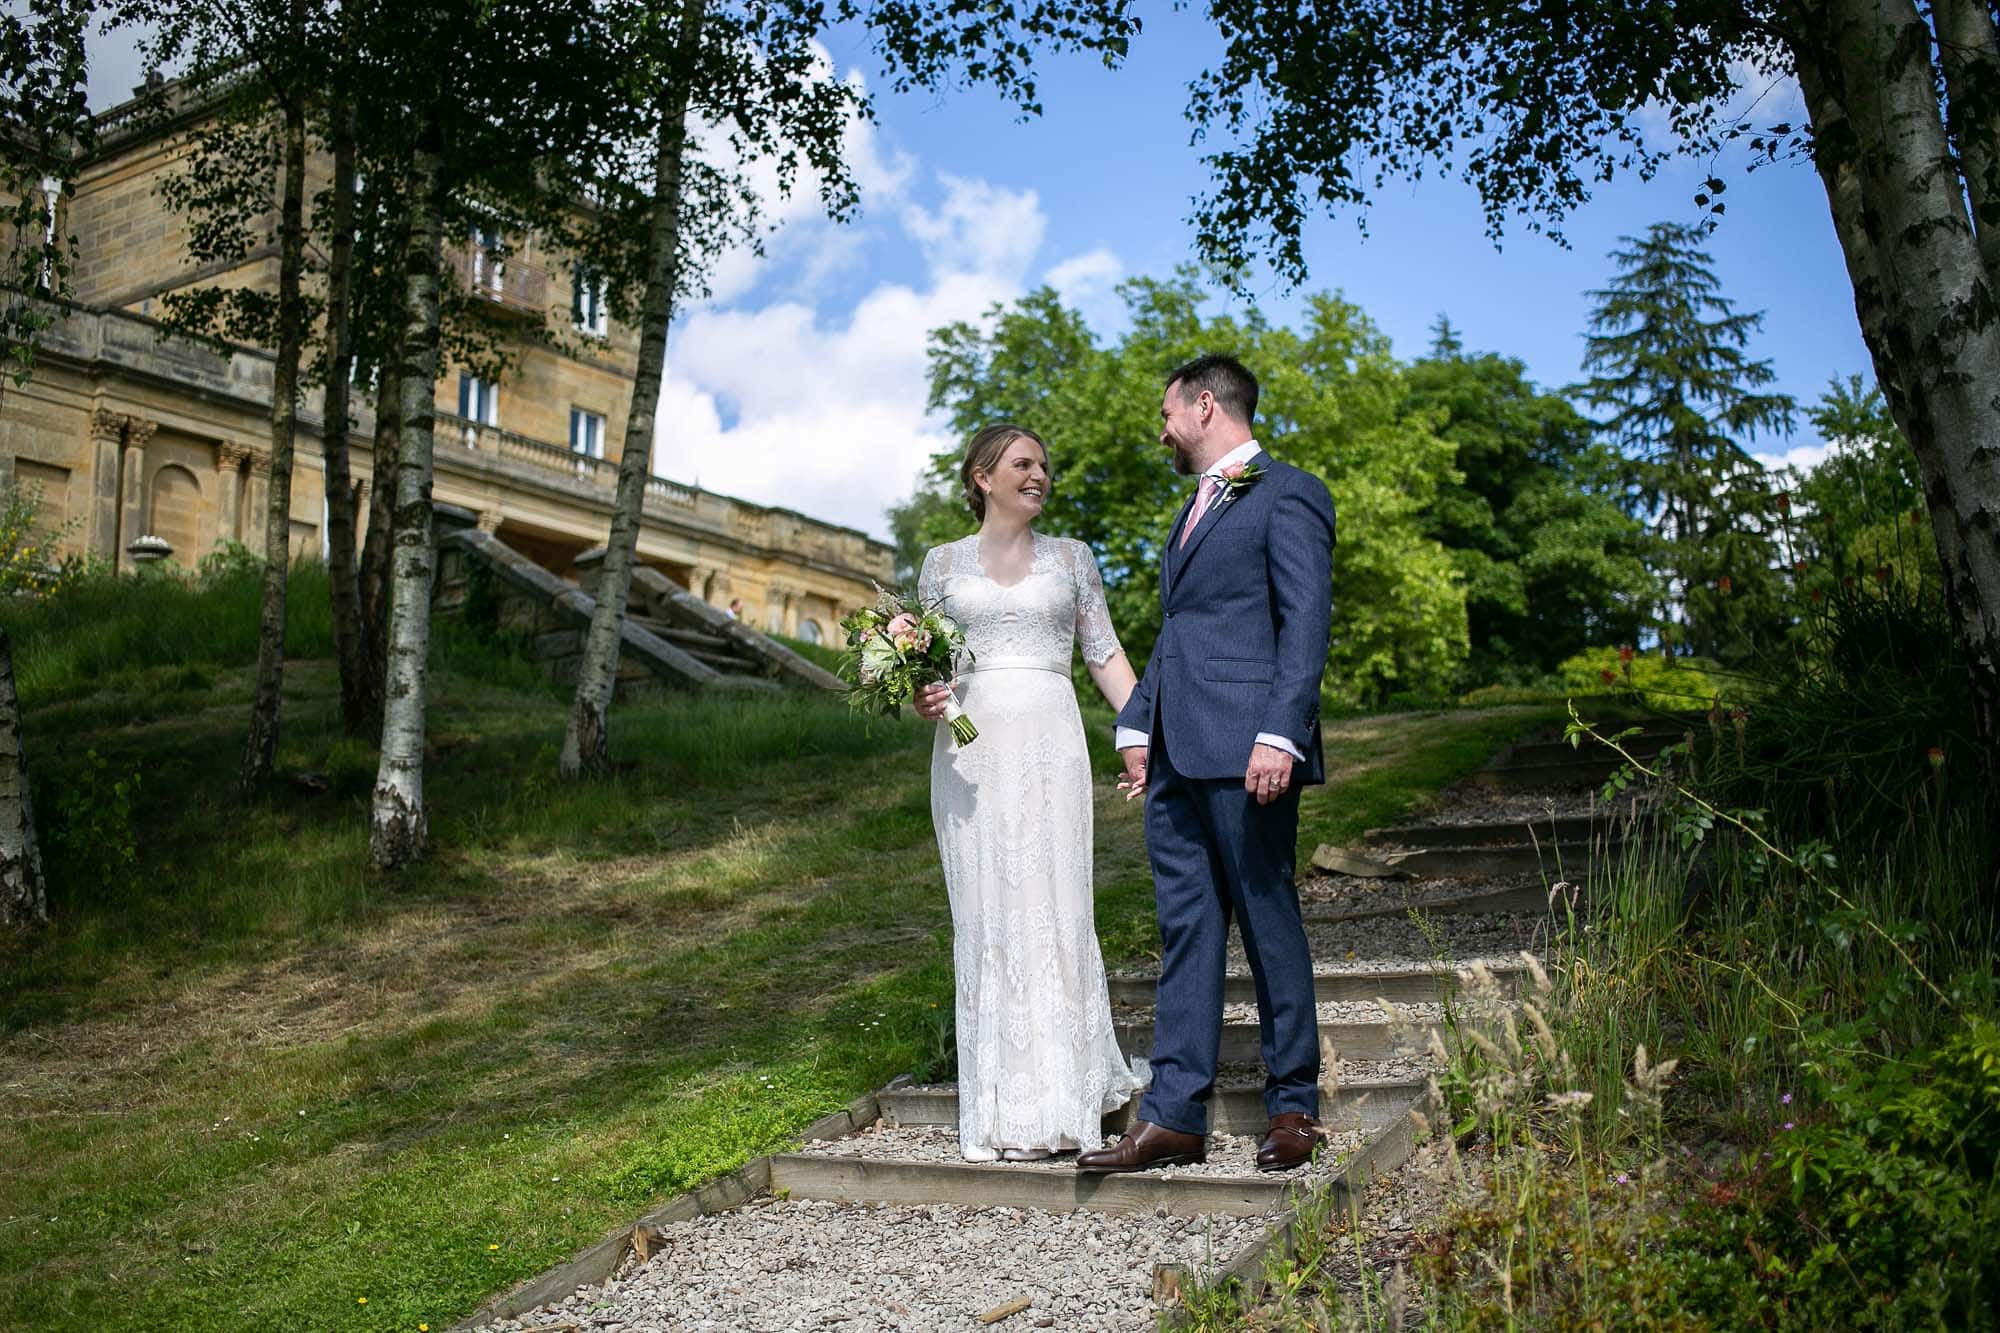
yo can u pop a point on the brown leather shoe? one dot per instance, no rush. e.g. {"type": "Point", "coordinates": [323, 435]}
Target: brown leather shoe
{"type": "Point", "coordinates": [1289, 1142]}
{"type": "Point", "coordinates": [1147, 1145]}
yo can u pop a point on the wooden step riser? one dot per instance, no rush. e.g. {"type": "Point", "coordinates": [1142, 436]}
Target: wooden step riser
{"type": "Point", "coordinates": [1230, 1110]}
{"type": "Point", "coordinates": [1529, 901]}
{"type": "Point", "coordinates": [1241, 1043]}
{"type": "Point", "coordinates": [1477, 862]}
{"type": "Point", "coordinates": [1397, 987]}
{"type": "Point", "coordinates": [1518, 833]}
{"type": "Point", "coordinates": [1534, 777]}
{"type": "Point", "coordinates": [1643, 746]}
{"type": "Point", "coordinates": [854, 1180]}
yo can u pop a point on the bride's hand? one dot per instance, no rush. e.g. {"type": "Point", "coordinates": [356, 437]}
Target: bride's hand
{"type": "Point", "coordinates": [930, 702]}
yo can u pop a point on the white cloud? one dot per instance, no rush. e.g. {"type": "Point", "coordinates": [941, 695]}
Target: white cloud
{"type": "Point", "coordinates": [1804, 457]}
{"type": "Point", "coordinates": [979, 228]}
{"type": "Point", "coordinates": [830, 413]}
{"type": "Point", "coordinates": [1761, 97]}
{"type": "Point", "coordinates": [1088, 282]}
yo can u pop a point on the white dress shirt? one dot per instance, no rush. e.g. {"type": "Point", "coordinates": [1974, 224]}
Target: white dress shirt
{"type": "Point", "coordinates": [1128, 737]}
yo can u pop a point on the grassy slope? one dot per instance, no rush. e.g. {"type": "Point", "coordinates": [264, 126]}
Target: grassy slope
{"type": "Point", "coordinates": [249, 1085]}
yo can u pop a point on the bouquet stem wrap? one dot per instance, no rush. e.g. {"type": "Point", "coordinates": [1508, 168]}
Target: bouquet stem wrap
{"type": "Point", "coordinates": [962, 729]}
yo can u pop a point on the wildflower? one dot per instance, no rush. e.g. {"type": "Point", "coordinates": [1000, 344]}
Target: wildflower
{"type": "Point", "coordinates": [1626, 654]}
{"type": "Point", "coordinates": [1610, 677]}
{"type": "Point", "coordinates": [361, 1300]}
{"type": "Point", "coordinates": [1623, 1179]}
{"type": "Point", "coordinates": [1723, 585]}
{"type": "Point", "coordinates": [1881, 573]}
{"type": "Point", "coordinates": [1936, 757]}
{"type": "Point", "coordinates": [1799, 567]}
{"type": "Point", "coordinates": [1788, 1124]}
{"type": "Point", "coordinates": [1785, 1100]}
{"type": "Point", "coordinates": [1784, 502]}
{"type": "Point", "coordinates": [492, 1247]}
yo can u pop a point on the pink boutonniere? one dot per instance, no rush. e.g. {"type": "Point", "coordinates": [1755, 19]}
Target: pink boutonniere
{"type": "Point", "coordinates": [1238, 478]}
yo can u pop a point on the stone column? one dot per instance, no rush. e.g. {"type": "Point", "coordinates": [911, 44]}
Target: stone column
{"type": "Point", "coordinates": [107, 432]}
{"type": "Point", "coordinates": [132, 491]}
{"type": "Point", "coordinates": [361, 489]}
{"type": "Point", "coordinates": [256, 518]}
{"type": "Point", "coordinates": [229, 461]}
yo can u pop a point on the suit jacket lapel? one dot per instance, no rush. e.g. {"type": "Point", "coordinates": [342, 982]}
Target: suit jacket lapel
{"type": "Point", "coordinates": [1170, 567]}
{"type": "Point", "coordinates": [1216, 514]}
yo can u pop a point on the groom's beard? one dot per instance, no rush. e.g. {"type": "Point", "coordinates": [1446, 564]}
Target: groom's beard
{"type": "Point", "coordinates": [1183, 460]}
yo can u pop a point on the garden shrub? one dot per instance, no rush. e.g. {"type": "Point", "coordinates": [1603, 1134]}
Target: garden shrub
{"type": "Point", "coordinates": [1670, 684]}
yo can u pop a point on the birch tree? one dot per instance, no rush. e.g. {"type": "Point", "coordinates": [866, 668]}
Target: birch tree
{"type": "Point", "coordinates": [1532, 105]}
{"type": "Point", "coordinates": [761, 91]}
{"type": "Point", "coordinates": [49, 134]}
{"type": "Point", "coordinates": [24, 894]}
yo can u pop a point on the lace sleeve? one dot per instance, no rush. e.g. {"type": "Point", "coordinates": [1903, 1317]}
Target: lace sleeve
{"type": "Point", "coordinates": [930, 583]}
{"type": "Point", "coordinates": [1094, 633]}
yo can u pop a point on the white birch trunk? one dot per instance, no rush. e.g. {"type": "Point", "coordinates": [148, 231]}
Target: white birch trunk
{"type": "Point", "coordinates": [260, 751]}
{"type": "Point", "coordinates": [397, 830]}
{"type": "Point", "coordinates": [1924, 299]}
{"type": "Point", "coordinates": [586, 740]}
{"type": "Point", "coordinates": [24, 893]}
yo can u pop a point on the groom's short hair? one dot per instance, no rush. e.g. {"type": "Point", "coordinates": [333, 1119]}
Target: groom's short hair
{"type": "Point", "coordinates": [1225, 379]}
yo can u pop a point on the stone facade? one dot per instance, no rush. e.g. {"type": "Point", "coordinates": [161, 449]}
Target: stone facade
{"type": "Point", "coordinates": [131, 432]}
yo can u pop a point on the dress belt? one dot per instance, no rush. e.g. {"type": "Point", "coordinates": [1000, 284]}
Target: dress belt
{"type": "Point", "coordinates": [1016, 664]}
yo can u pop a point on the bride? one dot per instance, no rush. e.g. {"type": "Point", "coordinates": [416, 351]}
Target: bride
{"type": "Point", "coordinates": [1038, 1060]}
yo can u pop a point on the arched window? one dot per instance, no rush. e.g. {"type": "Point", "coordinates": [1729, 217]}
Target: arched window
{"type": "Point", "coordinates": [176, 512]}
{"type": "Point", "coordinates": [809, 631]}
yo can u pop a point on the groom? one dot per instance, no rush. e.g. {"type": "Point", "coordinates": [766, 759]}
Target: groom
{"type": "Point", "coordinates": [1220, 733]}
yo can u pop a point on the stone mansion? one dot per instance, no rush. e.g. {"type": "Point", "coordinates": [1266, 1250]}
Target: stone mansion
{"type": "Point", "coordinates": [128, 431]}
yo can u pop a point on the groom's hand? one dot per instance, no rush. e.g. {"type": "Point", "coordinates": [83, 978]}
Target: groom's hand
{"type": "Point", "coordinates": [1133, 784]}
{"type": "Point", "coordinates": [1270, 772]}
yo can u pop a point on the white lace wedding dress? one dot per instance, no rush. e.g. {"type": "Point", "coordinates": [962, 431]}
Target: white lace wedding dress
{"type": "Point", "coordinates": [1038, 1060]}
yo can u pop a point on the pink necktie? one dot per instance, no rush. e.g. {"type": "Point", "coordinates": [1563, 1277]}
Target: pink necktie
{"type": "Point", "coordinates": [1202, 497]}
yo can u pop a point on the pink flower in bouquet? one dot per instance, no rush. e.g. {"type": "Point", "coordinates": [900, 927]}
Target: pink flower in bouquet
{"type": "Point", "coordinates": [903, 631]}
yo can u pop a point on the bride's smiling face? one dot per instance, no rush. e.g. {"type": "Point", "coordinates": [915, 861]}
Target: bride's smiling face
{"type": "Point", "coordinates": [1018, 485]}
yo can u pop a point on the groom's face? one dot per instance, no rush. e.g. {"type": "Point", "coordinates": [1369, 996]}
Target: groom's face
{"type": "Point", "coordinates": [1180, 427]}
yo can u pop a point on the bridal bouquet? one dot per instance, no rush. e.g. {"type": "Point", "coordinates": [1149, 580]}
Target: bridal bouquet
{"type": "Point", "coordinates": [895, 648]}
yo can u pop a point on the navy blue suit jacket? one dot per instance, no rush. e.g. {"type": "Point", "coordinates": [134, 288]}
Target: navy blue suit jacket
{"type": "Point", "coordinates": [1247, 615]}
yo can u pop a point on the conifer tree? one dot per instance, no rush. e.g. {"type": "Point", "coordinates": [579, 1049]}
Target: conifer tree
{"type": "Point", "coordinates": [1672, 368]}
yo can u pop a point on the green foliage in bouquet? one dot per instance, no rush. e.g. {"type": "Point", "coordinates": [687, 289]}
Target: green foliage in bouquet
{"type": "Point", "coordinates": [895, 648]}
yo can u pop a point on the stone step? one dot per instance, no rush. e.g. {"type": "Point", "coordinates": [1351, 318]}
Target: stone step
{"type": "Point", "coordinates": [1237, 1108]}
{"type": "Point", "coordinates": [921, 1164]}
{"type": "Point", "coordinates": [745, 684]}
{"type": "Point", "coordinates": [1399, 985]}
{"type": "Point", "coordinates": [687, 638]}
{"type": "Point", "coordinates": [1372, 1047]}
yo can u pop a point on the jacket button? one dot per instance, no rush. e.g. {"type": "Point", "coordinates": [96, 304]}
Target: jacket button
{"type": "Point", "coordinates": [1170, 615]}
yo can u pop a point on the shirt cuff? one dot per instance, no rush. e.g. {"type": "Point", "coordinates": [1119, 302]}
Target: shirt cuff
{"type": "Point", "coordinates": [1280, 743]}
{"type": "Point", "coordinates": [1128, 737]}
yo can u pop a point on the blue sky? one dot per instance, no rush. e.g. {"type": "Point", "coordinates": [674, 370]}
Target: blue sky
{"type": "Point", "coordinates": [801, 382]}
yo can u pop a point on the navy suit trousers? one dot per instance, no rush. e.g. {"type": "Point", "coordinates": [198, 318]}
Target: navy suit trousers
{"type": "Point", "coordinates": [1218, 855]}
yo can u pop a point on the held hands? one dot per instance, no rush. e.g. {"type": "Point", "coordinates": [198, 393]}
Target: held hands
{"type": "Point", "coordinates": [1269, 773]}
{"type": "Point", "coordinates": [1133, 783]}
{"type": "Point", "coordinates": [930, 701]}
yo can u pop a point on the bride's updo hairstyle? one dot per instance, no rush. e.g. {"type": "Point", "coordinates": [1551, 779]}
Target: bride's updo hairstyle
{"type": "Point", "coordinates": [983, 453]}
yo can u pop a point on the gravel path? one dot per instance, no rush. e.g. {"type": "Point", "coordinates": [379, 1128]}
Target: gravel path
{"type": "Point", "coordinates": [1383, 942]}
{"type": "Point", "coordinates": [828, 1266]}
{"type": "Point", "coordinates": [1470, 804]}
{"type": "Point", "coordinates": [1228, 1154]}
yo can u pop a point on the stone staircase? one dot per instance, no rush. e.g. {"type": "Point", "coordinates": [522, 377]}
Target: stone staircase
{"type": "Point", "coordinates": [671, 638]}
{"type": "Point", "coordinates": [887, 1200]}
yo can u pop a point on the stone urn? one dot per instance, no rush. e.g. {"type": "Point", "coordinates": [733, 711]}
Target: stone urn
{"type": "Point", "coordinates": [148, 550]}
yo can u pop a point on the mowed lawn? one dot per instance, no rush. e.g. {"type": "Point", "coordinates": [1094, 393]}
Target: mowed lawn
{"type": "Point", "coordinates": [246, 1085]}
